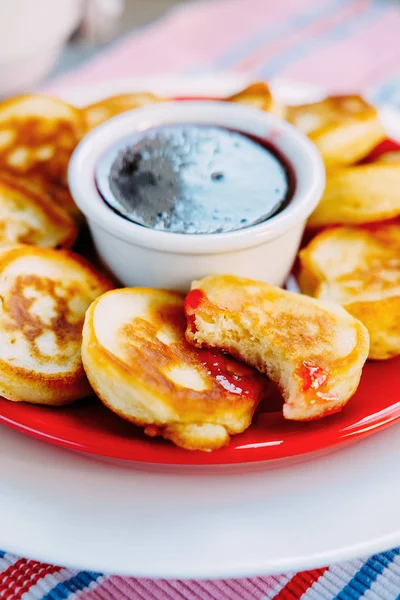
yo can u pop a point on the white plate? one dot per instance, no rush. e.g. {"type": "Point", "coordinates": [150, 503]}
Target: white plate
{"type": "Point", "coordinates": [68, 509]}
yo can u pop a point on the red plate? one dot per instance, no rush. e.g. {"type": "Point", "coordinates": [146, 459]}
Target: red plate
{"type": "Point", "coordinates": [88, 426]}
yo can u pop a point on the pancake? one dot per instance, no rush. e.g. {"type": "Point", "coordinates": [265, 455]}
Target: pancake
{"type": "Point", "coordinates": [359, 269]}
{"type": "Point", "coordinates": [138, 361]}
{"type": "Point", "coordinates": [389, 158]}
{"type": "Point", "coordinates": [313, 351]}
{"type": "Point", "coordinates": [357, 195]}
{"type": "Point", "coordinates": [30, 217]}
{"type": "Point", "coordinates": [44, 294]}
{"type": "Point", "coordinates": [99, 112]}
{"type": "Point", "coordinates": [344, 128]}
{"type": "Point", "coordinates": [37, 136]}
{"type": "Point", "coordinates": [258, 95]}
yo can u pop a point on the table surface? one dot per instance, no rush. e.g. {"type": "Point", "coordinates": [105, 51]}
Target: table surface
{"type": "Point", "coordinates": [342, 45]}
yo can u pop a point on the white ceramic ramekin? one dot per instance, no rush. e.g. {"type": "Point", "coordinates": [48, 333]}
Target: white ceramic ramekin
{"type": "Point", "coordinates": [140, 256]}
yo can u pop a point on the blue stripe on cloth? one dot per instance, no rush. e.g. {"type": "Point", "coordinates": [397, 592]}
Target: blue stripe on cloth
{"type": "Point", "coordinates": [342, 30]}
{"type": "Point", "coordinates": [77, 583]}
{"type": "Point", "coordinates": [274, 31]}
{"type": "Point", "coordinates": [365, 577]}
{"type": "Point", "coordinates": [2, 554]}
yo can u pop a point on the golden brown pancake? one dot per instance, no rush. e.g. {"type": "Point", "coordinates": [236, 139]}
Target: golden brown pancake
{"type": "Point", "coordinates": [44, 294]}
{"type": "Point", "coordinates": [37, 136]}
{"type": "Point", "coordinates": [344, 128]}
{"type": "Point", "coordinates": [30, 217]}
{"type": "Point", "coordinates": [359, 269]}
{"type": "Point", "coordinates": [357, 195]}
{"type": "Point", "coordinates": [389, 158]}
{"type": "Point", "coordinates": [97, 113]}
{"type": "Point", "coordinates": [314, 351]}
{"type": "Point", "coordinates": [138, 361]}
{"type": "Point", "coordinates": [258, 95]}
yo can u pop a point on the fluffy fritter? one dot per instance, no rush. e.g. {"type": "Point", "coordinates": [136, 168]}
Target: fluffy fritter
{"type": "Point", "coordinates": [44, 294]}
{"type": "Point", "coordinates": [37, 136]}
{"type": "Point", "coordinates": [314, 351]}
{"type": "Point", "coordinates": [101, 111]}
{"type": "Point", "coordinates": [30, 217]}
{"type": "Point", "coordinates": [139, 363]}
{"type": "Point", "coordinates": [344, 128]}
{"type": "Point", "coordinates": [258, 95]}
{"type": "Point", "coordinates": [359, 269]}
{"type": "Point", "coordinates": [360, 194]}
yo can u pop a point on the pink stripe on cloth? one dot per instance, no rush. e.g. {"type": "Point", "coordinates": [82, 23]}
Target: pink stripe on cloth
{"type": "Point", "coordinates": [123, 588]}
{"type": "Point", "coordinates": [357, 61]}
{"type": "Point", "coordinates": [315, 28]}
{"type": "Point", "coordinates": [186, 38]}
{"type": "Point", "coordinates": [326, 51]}
{"type": "Point", "coordinates": [189, 38]}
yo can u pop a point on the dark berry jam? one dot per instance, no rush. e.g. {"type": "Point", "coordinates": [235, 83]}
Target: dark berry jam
{"type": "Point", "coordinates": [195, 179]}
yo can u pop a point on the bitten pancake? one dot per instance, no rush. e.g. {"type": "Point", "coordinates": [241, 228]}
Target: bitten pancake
{"type": "Point", "coordinates": [30, 217]}
{"type": "Point", "coordinates": [344, 128]}
{"type": "Point", "coordinates": [44, 294]}
{"type": "Point", "coordinates": [357, 195]}
{"type": "Point", "coordinates": [258, 95]}
{"type": "Point", "coordinates": [37, 137]}
{"type": "Point", "coordinates": [359, 269]}
{"type": "Point", "coordinates": [110, 107]}
{"type": "Point", "coordinates": [138, 361]}
{"type": "Point", "coordinates": [314, 351]}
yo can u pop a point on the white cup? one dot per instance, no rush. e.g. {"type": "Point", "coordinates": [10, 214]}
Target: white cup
{"type": "Point", "coordinates": [141, 256]}
{"type": "Point", "coordinates": [32, 34]}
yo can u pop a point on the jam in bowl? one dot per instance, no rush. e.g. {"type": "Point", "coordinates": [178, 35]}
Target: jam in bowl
{"type": "Point", "coordinates": [179, 190]}
{"type": "Point", "coordinates": [194, 179]}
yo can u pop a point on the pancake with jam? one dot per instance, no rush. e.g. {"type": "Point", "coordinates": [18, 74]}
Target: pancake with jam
{"type": "Point", "coordinates": [344, 128]}
{"type": "Point", "coordinates": [31, 217]}
{"type": "Point", "coordinates": [44, 294]}
{"type": "Point", "coordinates": [359, 268]}
{"type": "Point", "coordinates": [37, 137]}
{"type": "Point", "coordinates": [314, 351]}
{"type": "Point", "coordinates": [138, 362]}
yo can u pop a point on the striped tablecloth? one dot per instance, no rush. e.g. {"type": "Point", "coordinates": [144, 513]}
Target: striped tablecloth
{"type": "Point", "coordinates": [343, 45]}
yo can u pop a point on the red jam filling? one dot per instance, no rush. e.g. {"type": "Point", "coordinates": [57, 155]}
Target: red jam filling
{"type": "Point", "coordinates": [234, 377]}
{"type": "Point", "coordinates": [312, 376]}
{"type": "Point", "coordinates": [193, 301]}
{"type": "Point", "coordinates": [384, 147]}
